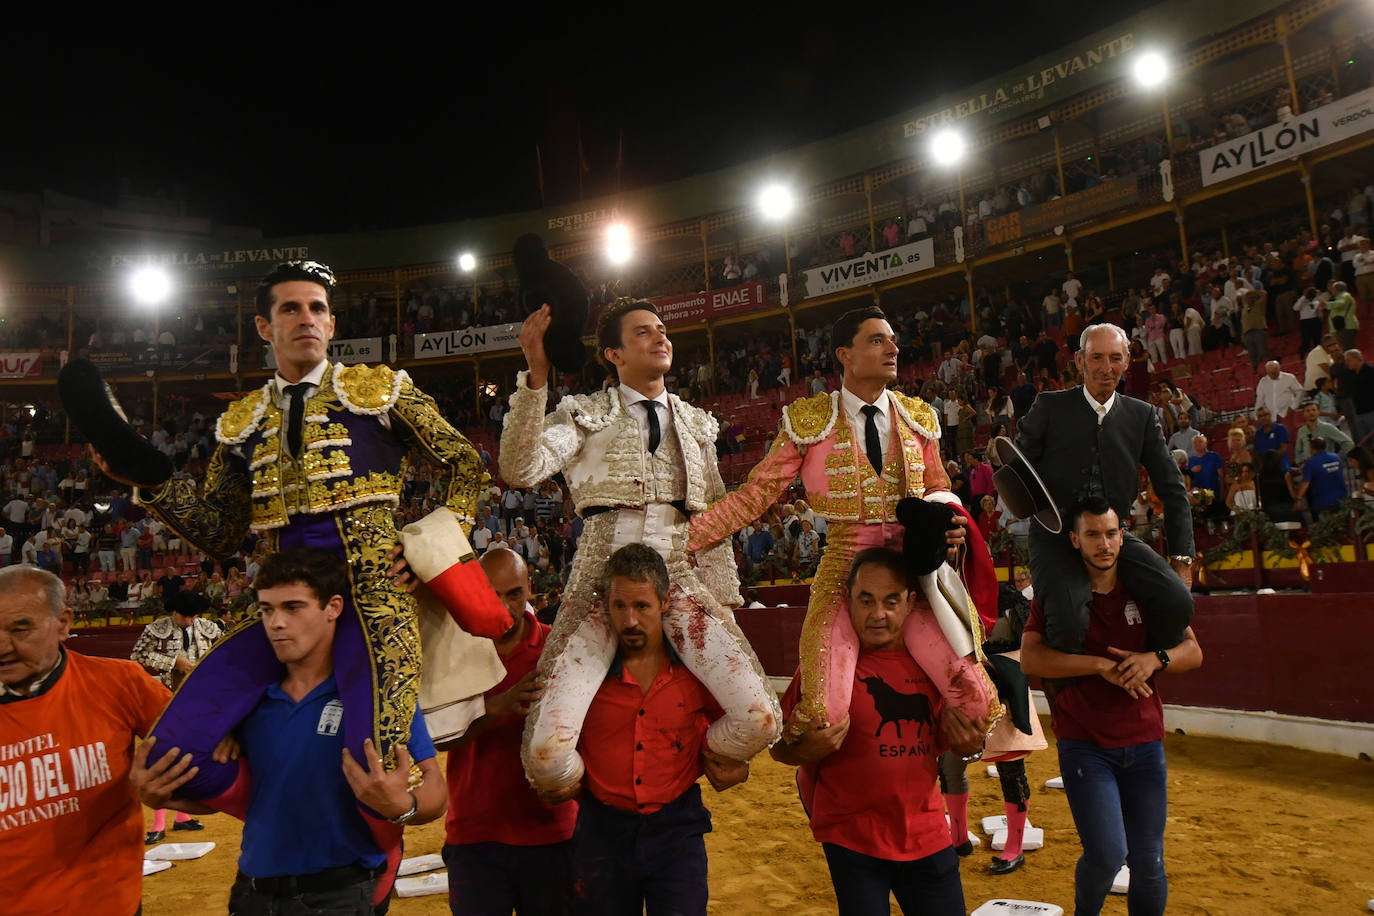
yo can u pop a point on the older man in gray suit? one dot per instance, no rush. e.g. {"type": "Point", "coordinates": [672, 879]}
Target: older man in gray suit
{"type": "Point", "coordinates": [1091, 441]}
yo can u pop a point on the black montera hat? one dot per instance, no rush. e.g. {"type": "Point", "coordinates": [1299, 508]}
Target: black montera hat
{"type": "Point", "coordinates": [925, 541]}
{"type": "Point", "coordinates": [93, 409]}
{"type": "Point", "coordinates": [543, 280]}
{"type": "Point", "coordinates": [1021, 488]}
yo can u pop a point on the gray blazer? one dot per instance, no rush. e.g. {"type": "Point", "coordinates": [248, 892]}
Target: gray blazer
{"type": "Point", "coordinates": [1061, 439]}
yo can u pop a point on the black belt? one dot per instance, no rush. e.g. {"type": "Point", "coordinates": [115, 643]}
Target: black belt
{"type": "Point", "coordinates": [328, 880]}
{"type": "Point", "coordinates": [593, 511]}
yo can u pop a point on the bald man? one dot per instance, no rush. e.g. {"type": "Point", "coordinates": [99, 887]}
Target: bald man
{"type": "Point", "coordinates": [505, 849]}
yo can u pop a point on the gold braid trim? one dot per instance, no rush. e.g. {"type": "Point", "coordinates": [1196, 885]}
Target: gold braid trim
{"type": "Point", "coordinates": [388, 617]}
{"type": "Point", "coordinates": [418, 412]}
{"type": "Point", "coordinates": [215, 521]}
{"type": "Point", "coordinates": [919, 415]}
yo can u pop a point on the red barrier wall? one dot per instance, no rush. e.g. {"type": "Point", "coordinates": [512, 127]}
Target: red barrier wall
{"type": "Point", "coordinates": [1304, 655]}
{"type": "Point", "coordinates": [106, 642]}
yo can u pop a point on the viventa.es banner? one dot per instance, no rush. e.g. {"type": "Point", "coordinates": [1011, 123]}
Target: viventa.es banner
{"type": "Point", "coordinates": [868, 269]}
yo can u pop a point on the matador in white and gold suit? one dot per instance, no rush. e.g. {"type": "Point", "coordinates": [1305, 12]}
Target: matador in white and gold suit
{"type": "Point", "coordinates": [627, 494]}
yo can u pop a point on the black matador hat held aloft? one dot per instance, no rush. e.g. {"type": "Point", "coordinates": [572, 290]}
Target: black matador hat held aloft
{"type": "Point", "coordinates": [92, 407]}
{"type": "Point", "coordinates": [545, 281]}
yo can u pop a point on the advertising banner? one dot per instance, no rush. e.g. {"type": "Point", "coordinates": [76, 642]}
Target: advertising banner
{"type": "Point", "coordinates": [1340, 120]}
{"type": "Point", "coordinates": [712, 303]}
{"type": "Point", "coordinates": [348, 351]}
{"type": "Point", "coordinates": [468, 341]}
{"type": "Point", "coordinates": [868, 269]}
{"type": "Point", "coordinates": [20, 365]}
{"type": "Point", "coordinates": [1116, 194]}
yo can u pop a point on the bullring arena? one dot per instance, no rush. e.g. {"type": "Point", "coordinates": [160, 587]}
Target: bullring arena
{"type": "Point", "coordinates": [1072, 189]}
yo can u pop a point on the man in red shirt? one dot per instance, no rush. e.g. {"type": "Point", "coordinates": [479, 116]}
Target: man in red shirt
{"type": "Point", "coordinates": [641, 823]}
{"type": "Point", "coordinates": [868, 781]}
{"type": "Point", "coordinates": [505, 850]}
{"type": "Point", "coordinates": [1109, 722]}
{"type": "Point", "coordinates": [71, 828]}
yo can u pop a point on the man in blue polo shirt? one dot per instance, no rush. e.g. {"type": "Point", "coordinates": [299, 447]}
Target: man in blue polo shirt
{"type": "Point", "coordinates": [306, 847]}
{"type": "Point", "coordinates": [1205, 465]}
{"type": "Point", "coordinates": [1271, 436]}
{"type": "Point", "coordinates": [1323, 479]}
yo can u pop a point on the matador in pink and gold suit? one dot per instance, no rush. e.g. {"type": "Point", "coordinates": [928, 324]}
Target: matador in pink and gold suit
{"type": "Point", "coordinates": [817, 441]}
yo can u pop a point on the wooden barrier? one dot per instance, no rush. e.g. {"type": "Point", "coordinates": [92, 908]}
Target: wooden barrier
{"type": "Point", "coordinates": [1296, 654]}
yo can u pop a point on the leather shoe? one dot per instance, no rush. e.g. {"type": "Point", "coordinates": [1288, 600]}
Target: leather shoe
{"type": "Point", "coordinates": [965, 848]}
{"type": "Point", "coordinates": [154, 836]}
{"type": "Point", "coordinates": [192, 824]}
{"type": "Point", "coordinates": [1001, 866]}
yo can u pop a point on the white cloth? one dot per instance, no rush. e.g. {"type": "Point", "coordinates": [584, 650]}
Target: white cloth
{"type": "Point", "coordinates": [1279, 395]}
{"type": "Point", "coordinates": [1308, 308]}
{"type": "Point", "coordinates": [853, 405]}
{"type": "Point", "coordinates": [1317, 359]}
{"type": "Point", "coordinates": [1100, 409]}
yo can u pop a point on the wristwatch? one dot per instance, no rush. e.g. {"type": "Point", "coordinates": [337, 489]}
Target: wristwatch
{"type": "Point", "coordinates": [1185, 559]}
{"type": "Point", "coordinates": [1163, 658]}
{"type": "Point", "coordinates": [415, 806]}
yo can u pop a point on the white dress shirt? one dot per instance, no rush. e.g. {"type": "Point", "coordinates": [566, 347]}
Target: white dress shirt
{"type": "Point", "coordinates": [629, 398]}
{"type": "Point", "coordinates": [853, 405]}
{"type": "Point", "coordinates": [1100, 409]}
{"type": "Point", "coordinates": [1278, 394]}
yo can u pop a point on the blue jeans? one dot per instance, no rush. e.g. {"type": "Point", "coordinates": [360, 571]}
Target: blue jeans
{"type": "Point", "coordinates": [1119, 800]}
{"type": "Point", "coordinates": [928, 886]}
{"type": "Point", "coordinates": [496, 879]}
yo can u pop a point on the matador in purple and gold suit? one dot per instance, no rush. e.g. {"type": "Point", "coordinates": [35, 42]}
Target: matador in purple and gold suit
{"type": "Point", "coordinates": [340, 495]}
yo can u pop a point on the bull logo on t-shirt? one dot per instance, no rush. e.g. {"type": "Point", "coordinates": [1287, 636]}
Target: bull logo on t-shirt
{"type": "Point", "coordinates": [894, 706]}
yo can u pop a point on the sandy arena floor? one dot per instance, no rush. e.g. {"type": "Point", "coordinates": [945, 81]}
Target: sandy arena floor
{"type": "Point", "coordinates": [1253, 829]}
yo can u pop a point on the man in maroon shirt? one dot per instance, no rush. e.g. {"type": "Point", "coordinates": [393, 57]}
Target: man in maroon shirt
{"type": "Point", "coordinates": [504, 848]}
{"type": "Point", "coordinates": [1109, 722]}
{"type": "Point", "coordinates": [868, 781]}
{"type": "Point", "coordinates": [641, 823]}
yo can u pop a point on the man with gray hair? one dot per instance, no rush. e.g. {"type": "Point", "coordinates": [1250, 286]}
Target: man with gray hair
{"type": "Point", "coordinates": [1091, 441]}
{"type": "Point", "coordinates": [1357, 384]}
{"type": "Point", "coordinates": [1277, 391]}
{"type": "Point", "coordinates": [70, 720]}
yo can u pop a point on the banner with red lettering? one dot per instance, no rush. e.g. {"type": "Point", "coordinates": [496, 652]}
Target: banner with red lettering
{"type": "Point", "coordinates": [712, 303]}
{"type": "Point", "coordinates": [20, 365]}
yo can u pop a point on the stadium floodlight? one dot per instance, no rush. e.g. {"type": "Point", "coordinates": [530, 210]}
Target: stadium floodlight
{"type": "Point", "coordinates": [948, 146]}
{"type": "Point", "coordinates": [618, 246]}
{"type": "Point", "coordinates": [1150, 69]}
{"type": "Point", "coordinates": [150, 285]}
{"type": "Point", "coordinates": [466, 262]}
{"type": "Point", "coordinates": [776, 202]}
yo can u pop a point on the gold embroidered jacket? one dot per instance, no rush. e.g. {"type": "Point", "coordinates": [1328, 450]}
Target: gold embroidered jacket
{"type": "Point", "coordinates": [816, 442]}
{"type": "Point", "coordinates": [349, 480]}
{"type": "Point", "coordinates": [349, 459]}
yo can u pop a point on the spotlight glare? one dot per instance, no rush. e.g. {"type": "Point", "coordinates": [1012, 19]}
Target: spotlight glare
{"type": "Point", "coordinates": [150, 285]}
{"type": "Point", "coordinates": [1150, 69]}
{"type": "Point", "coordinates": [618, 246]}
{"type": "Point", "coordinates": [466, 262]}
{"type": "Point", "coordinates": [776, 202]}
{"type": "Point", "coordinates": [947, 147]}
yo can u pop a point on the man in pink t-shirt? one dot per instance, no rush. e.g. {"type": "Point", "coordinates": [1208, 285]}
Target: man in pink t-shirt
{"type": "Point", "coordinates": [869, 781]}
{"type": "Point", "coordinates": [504, 848]}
